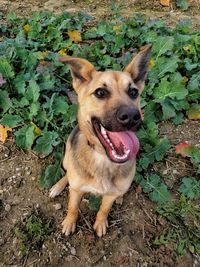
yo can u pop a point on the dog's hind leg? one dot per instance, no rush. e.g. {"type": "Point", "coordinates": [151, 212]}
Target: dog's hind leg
{"type": "Point", "coordinates": [58, 187]}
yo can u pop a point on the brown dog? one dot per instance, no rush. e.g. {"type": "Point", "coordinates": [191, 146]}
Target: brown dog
{"type": "Point", "coordinates": [100, 151]}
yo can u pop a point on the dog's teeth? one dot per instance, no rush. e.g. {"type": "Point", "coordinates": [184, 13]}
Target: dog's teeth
{"type": "Point", "coordinates": [127, 151]}
{"type": "Point", "coordinates": [103, 131]}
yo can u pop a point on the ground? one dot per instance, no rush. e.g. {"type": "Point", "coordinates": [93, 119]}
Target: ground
{"type": "Point", "coordinates": [133, 224]}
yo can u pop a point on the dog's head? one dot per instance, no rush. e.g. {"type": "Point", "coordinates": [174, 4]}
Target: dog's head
{"type": "Point", "coordinates": [109, 104]}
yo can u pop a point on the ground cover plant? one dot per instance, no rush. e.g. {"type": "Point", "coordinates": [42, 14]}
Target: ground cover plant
{"type": "Point", "coordinates": [34, 104]}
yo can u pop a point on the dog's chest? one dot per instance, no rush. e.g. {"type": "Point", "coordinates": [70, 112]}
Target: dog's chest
{"type": "Point", "coordinates": [99, 187]}
{"type": "Point", "coordinates": [103, 174]}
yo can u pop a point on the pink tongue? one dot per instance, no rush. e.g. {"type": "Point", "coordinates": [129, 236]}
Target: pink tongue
{"type": "Point", "coordinates": [128, 139]}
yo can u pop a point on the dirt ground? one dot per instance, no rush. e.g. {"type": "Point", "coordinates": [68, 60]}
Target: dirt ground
{"type": "Point", "coordinates": [133, 224]}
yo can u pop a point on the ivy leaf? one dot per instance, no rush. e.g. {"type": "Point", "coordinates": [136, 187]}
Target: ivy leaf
{"type": "Point", "coordinates": [25, 137]}
{"type": "Point", "coordinates": [45, 143]}
{"type": "Point", "coordinates": [190, 187]}
{"type": "Point", "coordinates": [11, 120]}
{"type": "Point", "coordinates": [51, 175]}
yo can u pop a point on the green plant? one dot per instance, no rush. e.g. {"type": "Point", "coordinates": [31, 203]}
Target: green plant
{"type": "Point", "coordinates": [33, 82]}
{"type": "Point", "coordinates": [33, 232]}
{"type": "Point", "coordinates": [183, 227]}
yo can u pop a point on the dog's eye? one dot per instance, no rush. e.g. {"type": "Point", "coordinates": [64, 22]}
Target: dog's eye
{"type": "Point", "coordinates": [133, 92]}
{"type": "Point", "coordinates": [101, 93]}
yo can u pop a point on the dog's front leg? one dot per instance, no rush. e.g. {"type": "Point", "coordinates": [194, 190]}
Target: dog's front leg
{"type": "Point", "coordinates": [101, 222]}
{"type": "Point", "coordinates": [69, 223]}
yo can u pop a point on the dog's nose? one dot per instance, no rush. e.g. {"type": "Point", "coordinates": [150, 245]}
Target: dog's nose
{"type": "Point", "coordinates": [128, 116]}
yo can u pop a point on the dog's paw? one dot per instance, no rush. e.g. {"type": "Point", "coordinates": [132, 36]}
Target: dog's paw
{"type": "Point", "coordinates": [100, 227]}
{"type": "Point", "coordinates": [55, 190]}
{"type": "Point", "coordinates": [69, 226]}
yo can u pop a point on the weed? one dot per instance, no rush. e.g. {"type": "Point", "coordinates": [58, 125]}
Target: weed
{"type": "Point", "coordinates": [183, 229]}
{"type": "Point", "coordinates": [33, 231]}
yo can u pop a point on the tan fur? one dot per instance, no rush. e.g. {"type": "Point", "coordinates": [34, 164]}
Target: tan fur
{"type": "Point", "coordinates": [88, 167]}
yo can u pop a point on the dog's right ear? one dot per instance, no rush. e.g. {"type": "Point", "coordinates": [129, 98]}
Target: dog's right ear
{"type": "Point", "coordinates": [81, 70]}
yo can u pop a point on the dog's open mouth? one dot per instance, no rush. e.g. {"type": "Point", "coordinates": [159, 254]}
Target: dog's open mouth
{"type": "Point", "coordinates": [120, 146]}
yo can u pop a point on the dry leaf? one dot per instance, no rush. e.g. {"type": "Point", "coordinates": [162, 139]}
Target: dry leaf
{"type": "Point", "coordinates": [165, 2]}
{"type": "Point", "coordinates": [194, 114]}
{"type": "Point", "coordinates": [27, 28]}
{"type": "Point", "coordinates": [180, 148]}
{"type": "Point", "coordinates": [75, 36]}
{"type": "Point", "coordinates": [4, 132]}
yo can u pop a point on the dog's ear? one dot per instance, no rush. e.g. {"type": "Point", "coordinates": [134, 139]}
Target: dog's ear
{"type": "Point", "coordinates": [81, 69]}
{"type": "Point", "coordinates": [138, 67]}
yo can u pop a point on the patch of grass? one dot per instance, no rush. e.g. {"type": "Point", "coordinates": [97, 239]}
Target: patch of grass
{"type": "Point", "coordinates": [33, 231]}
{"type": "Point", "coordinates": [183, 230]}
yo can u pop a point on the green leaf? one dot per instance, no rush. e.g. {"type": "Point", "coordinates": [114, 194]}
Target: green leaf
{"type": "Point", "coordinates": [45, 143]}
{"type": "Point", "coordinates": [20, 84]}
{"type": "Point", "coordinates": [32, 91]}
{"type": "Point", "coordinates": [190, 187]}
{"type": "Point", "coordinates": [157, 191]}
{"type": "Point", "coordinates": [25, 137]}
{"type": "Point", "coordinates": [159, 151]}
{"type": "Point", "coordinates": [6, 69]}
{"type": "Point", "coordinates": [94, 202]}
{"type": "Point", "coordinates": [5, 101]}
{"type": "Point", "coordinates": [164, 66]}
{"type": "Point", "coordinates": [163, 44]}
{"type": "Point", "coordinates": [173, 89]}
{"type": "Point", "coordinates": [11, 120]}
{"type": "Point", "coordinates": [182, 4]}
{"type": "Point", "coordinates": [178, 119]}
{"type": "Point", "coordinates": [60, 105]}
{"type": "Point", "coordinates": [160, 194]}
{"type": "Point", "coordinates": [51, 175]}
{"type": "Point", "coordinates": [33, 110]}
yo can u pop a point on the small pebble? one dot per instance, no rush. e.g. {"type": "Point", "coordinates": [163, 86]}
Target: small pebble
{"type": "Point", "coordinates": [57, 206]}
{"type": "Point", "coordinates": [73, 251]}
{"type": "Point", "coordinates": [104, 258]}
{"type": "Point", "coordinates": [175, 172]}
{"type": "Point", "coordinates": [165, 172]}
{"type": "Point", "coordinates": [7, 207]}
{"type": "Point", "coordinates": [2, 241]}
{"type": "Point", "coordinates": [33, 178]}
{"type": "Point", "coordinates": [17, 169]}
{"type": "Point", "coordinates": [15, 241]}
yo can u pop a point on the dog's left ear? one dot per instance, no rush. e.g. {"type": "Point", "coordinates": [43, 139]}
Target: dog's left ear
{"type": "Point", "coordinates": [138, 67]}
{"type": "Point", "coordinates": [81, 70]}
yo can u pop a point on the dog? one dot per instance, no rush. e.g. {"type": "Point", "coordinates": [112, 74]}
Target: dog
{"type": "Point", "coordinates": [101, 150]}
